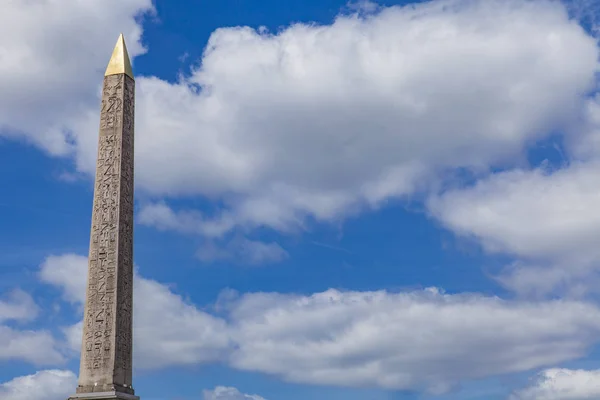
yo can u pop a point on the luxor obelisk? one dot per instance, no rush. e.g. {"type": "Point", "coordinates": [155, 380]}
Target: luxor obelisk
{"type": "Point", "coordinates": [106, 350]}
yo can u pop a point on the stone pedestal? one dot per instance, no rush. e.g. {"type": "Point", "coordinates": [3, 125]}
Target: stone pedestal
{"type": "Point", "coordinates": [104, 396]}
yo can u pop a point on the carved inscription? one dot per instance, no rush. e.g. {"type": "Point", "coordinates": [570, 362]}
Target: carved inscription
{"type": "Point", "coordinates": [112, 102]}
{"type": "Point", "coordinates": [106, 350]}
{"type": "Point", "coordinates": [125, 275]}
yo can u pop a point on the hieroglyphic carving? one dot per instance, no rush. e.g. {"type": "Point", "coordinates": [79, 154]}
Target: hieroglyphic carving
{"type": "Point", "coordinates": [112, 102]}
{"type": "Point", "coordinates": [123, 360]}
{"type": "Point", "coordinates": [106, 348]}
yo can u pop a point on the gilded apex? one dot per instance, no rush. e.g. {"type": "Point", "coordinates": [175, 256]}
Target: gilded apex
{"type": "Point", "coordinates": [119, 62]}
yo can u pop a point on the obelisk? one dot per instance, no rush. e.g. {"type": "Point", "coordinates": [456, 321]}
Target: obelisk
{"type": "Point", "coordinates": [106, 350]}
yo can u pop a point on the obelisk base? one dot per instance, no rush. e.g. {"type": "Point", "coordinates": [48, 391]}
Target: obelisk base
{"type": "Point", "coordinates": [103, 396]}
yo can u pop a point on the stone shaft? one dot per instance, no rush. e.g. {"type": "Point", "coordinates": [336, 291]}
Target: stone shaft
{"type": "Point", "coordinates": [106, 351]}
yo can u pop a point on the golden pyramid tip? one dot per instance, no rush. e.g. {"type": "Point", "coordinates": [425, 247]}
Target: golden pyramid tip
{"type": "Point", "coordinates": [119, 62]}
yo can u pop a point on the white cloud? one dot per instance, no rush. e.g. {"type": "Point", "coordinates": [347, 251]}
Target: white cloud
{"type": "Point", "coordinates": [586, 144]}
{"type": "Point", "coordinates": [549, 220]}
{"type": "Point", "coordinates": [228, 393]}
{"type": "Point", "coordinates": [529, 213]}
{"type": "Point", "coordinates": [322, 120]}
{"type": "Point", "coordinates": [73, 334]}
{"type": "Point", "coordinates": [34, 346]}
{"type": "Point", "coordinates": [405, 340]}
{"type": "Point", "coordinates": [19, 307]}
{"type": "Point", "coordinates": [185, 334]}
{"type": "Point", "coordinates": [68, 271]}
{"type": "Point", "coordinates": [164, 218]}
{"type": "Point", "coordinates": [52, 63]}
{"type": "Point", "coordinates": [243, 251]}
{"type": "Point", "coordinates": [410, 340]}
{"type": "Point", "coordinates": [321, 116]}
{"type": "Point", "coordinates": [43, 385]}
{"type": "Point", "coordinates": [562, 384]}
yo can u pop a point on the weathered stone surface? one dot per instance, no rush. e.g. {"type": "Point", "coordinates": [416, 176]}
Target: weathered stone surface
{"type": "Point", "coordinates": [106, 351]}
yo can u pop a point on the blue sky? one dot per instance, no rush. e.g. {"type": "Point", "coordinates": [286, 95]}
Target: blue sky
{"type": "Point", "coordinates": [363, 201]}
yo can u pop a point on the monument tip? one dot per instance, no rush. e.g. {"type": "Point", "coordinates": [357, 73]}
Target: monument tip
{"type": "Point", "coordinates": [119, 62]}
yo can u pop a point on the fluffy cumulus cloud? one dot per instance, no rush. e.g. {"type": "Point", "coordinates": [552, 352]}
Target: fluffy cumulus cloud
{"type": "Point", "coordinates": [425, 339]}
{"type": "Point", "coordinates": [186, 334]}
{"type": "Point", "coordinates": [68, 271]}
{"type": "Point", "coordinates": [228, 393]}
{"type": "Point", "coordinates": [163, 218]}
{"type": "Point", "coordinates": [58, 385]}
{"type": "Point", "coordinates": [562, 384]}
{"type": "Point", "coordinates": [43, 385]}
{"type": "Point", "coordinates": [510, 212]}
{"type": "Point", "coordinates": [548, 220]}
{"type": "Point", "coordinates": [51, 64]}
{"type": "Point", "coordinates": [18, 306]}
{"type": "Point", "coordinates": [321, 120]}
{"type": "Point", "coordinates": [544, 218]}
{"type": "Point", "coordinates": [35, 346]}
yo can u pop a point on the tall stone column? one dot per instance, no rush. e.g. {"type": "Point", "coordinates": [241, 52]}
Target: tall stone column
{"type": "Point", "coordinates": [106, 350]}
